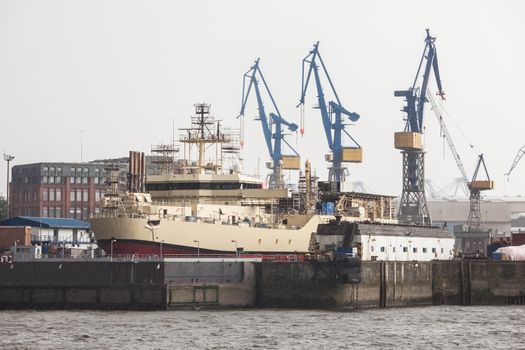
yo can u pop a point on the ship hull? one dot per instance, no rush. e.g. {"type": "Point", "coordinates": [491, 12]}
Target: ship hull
{"type": "Point", "coordinates": [137, 236]}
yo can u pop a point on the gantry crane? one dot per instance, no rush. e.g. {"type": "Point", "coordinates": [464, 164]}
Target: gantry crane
{"type": "Point", "coordinates": [413, 205]}
{"type": "Point", "coordinates": [475, 186]}
{"type": "Point", "coordinates": [272, 127]}
{"type": "Point", "coordinates": [332, 117]}
{"type": "Point", "coordinates": [520, 154]}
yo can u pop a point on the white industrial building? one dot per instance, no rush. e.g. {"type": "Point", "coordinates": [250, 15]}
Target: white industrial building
{"type": "Point", "coordinates": [502, 215]}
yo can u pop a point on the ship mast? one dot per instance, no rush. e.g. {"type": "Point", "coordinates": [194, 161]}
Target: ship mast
{"type": "Point", "coordinates": [204, 132]}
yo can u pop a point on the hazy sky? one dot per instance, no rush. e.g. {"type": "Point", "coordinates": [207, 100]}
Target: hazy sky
{"type": "Point", "coordinates": [123, 70]}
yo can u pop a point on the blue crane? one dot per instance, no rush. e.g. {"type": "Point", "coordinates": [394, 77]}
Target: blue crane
{"type": "Point", "coordinates": [413, 206]}
{"type": "Point", "coordinates": [272, 127]}
{"type": "Point", "coordinates": [415, 96]}
{"type": "Point", "coordinates": [332, 117]}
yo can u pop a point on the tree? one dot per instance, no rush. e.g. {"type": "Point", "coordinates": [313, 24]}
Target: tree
{"type": "Point", "coordinates": [3, 208]}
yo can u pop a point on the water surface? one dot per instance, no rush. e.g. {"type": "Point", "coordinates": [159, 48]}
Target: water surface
{"type": "Point", "coordinates": [439, 327]}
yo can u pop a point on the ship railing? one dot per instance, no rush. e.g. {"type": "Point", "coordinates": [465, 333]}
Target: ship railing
{"type": "Point", "coordinates": [189, 257]}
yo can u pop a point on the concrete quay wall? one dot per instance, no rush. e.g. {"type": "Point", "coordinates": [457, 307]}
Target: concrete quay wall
{"type": "Point", "coordinates": [479, 282]}
{"type": "Point", "coordinates": [126, 285]}
{"type": "Point", "coordinates": [211, 285]}
{"type": "Point", "coordinates": [319, 285]}
{"type": "Point", "coordinates": [339, 284]}
{"type": "Point", "coordinates": [82, 284]}
{"type": "Point", "coordinates": [393, 284]}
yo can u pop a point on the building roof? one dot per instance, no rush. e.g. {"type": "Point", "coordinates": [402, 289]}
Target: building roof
{"type": "Point", "coordinates": [45, 222]}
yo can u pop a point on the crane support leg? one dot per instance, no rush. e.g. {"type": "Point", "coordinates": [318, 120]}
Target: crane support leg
{"type": "Point", "coordinates": [474, 215]}
{"type": "Point", "coordinates": [413, 205]}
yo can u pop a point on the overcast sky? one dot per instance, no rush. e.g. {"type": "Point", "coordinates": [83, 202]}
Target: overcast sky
{"type": "Point", "coordinates": [123, 70]}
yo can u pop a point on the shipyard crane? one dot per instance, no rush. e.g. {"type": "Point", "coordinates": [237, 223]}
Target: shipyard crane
{"type": "Point", "coordinates": [520, 154]}
{"type": "Point", "coordinates": [474, 186]}
{"type": "Point", "coordinates": [332, 117]}
{"type": "Point", "coordinates": [272, 127]}
{"type": "Point", "coordinates": [413, 205]}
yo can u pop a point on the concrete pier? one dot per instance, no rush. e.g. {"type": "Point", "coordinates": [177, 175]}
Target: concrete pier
{"type": "Point", "coordinates": [161, 285]}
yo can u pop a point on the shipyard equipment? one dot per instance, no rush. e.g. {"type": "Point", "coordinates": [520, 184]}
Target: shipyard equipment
{"type": "Point", "coordinates": [413, 206]}
{"type": "Point", "coordinates": [518, 157]}
{"type": "Point", "coordinates": [272, 127]}
{"type": "Point", "coordinates": [332, 117]}
{"type": "Point", "coordinates": [475, 187]}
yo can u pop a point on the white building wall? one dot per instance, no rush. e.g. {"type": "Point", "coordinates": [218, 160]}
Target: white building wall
{"type": "Point", "coordinates": [389, 248]}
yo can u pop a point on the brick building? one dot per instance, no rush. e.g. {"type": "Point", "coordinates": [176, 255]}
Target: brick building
{"type": "Point", "coordinates": [57, 190]}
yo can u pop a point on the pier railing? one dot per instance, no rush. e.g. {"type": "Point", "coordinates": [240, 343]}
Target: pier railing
{"type": "Point", "coordinates": [241, 257]}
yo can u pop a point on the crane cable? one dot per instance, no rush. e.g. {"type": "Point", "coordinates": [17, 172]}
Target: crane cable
{"type": "Point", "coordinates": [449, 117]}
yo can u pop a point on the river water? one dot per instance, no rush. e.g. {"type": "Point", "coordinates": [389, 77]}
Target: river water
{"type": "Point", "coordinates": [436, 327]}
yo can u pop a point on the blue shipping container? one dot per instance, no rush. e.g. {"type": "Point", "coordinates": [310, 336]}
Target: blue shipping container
{"type": "Point", "coordinates": [328, 208]}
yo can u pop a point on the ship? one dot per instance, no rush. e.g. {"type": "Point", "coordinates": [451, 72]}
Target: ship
{"type": "Point", "coordinates": [205, 207]}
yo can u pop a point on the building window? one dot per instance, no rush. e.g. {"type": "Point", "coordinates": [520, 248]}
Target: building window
{"type": "Point", "coordinates": [58, 194]}
{"type": "Point", "coordinates": [78, 180]}
{"type": "Point", "coordinates": [46, 171]}
{"type": "Point", "coordinates": [95, 180]}
{"type": "Point", "coordinates": [58, 179]}
{"type": "Point", "coordinates": [44, 179]}
{"type": "Point", "coordinates": [97, 172]}
{"type": "Point", "coordinates": [382, 249]}
{"type": "Point", "coordinates": [424, 250]}
{"type": "Point", "coordinates": [405, 249]}
{"type": "Point", "coordinates": [58, 212]}
{"type": "Point", "coordinates": [72, 196]}
{"type": "Point", "coordinates": [44, 212]}
{"type": "Point", "coordinates": [86, 172]}
{"type": "Point", "coordinates": [79, 195]}
{"type": "Point", "coordinates": [73, 172]}
{"type": "Point", "coordinates": [84, 180]}
{"type": "Point", "coordinates": [34, 196]}
{"type": "Point", "coordinates": [52, 194]}
{"type": "Point", "coordinates": [97, 195]}
{"type": "Point", "coordinates": [85, 196]}
{"type": "Point", "coordinates": [71, 179]}
{"type": "Point", "coordinates": [52, 171]}
{"type": "Point", "coordinates": [51, 212]}
{"type": "Point", "coordinates": [434, 250]}
{"type": "Point", "coordinates": [51, 179]}
{"type": "Point", "coordinates": [441, 250]}
{"type": "Point", "coordinates": [85, 215]}
{"type": "Point", "coordinates": [393, 249]}
{"type": "Point", "coordinates": [414, 250]}
{"type": "Point", "coordinates": [59, 171]}
{"type": "Point", "coordinates": [371, 248]}
{"type": "Point", "coordinates": [45, 195]}
{"type": "Point", "coordinates": [71, 213]}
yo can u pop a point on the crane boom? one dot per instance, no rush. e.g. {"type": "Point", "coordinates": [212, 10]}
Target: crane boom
{"type": "Point", "coordinates": [272, 126]}
{"type": "Point", "coordinates": [444, 130]}
{"type": "Point", "coordinates": [518, 157]}
{"type": "Point", "coordinates": [331, 116]}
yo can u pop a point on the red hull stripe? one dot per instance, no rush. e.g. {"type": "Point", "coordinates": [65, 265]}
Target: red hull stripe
{"type": "Point", "coordinates": [125, 247]}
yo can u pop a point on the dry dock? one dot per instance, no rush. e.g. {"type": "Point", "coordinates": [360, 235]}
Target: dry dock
{"type": "Point", "coordinates": [160, 285]}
